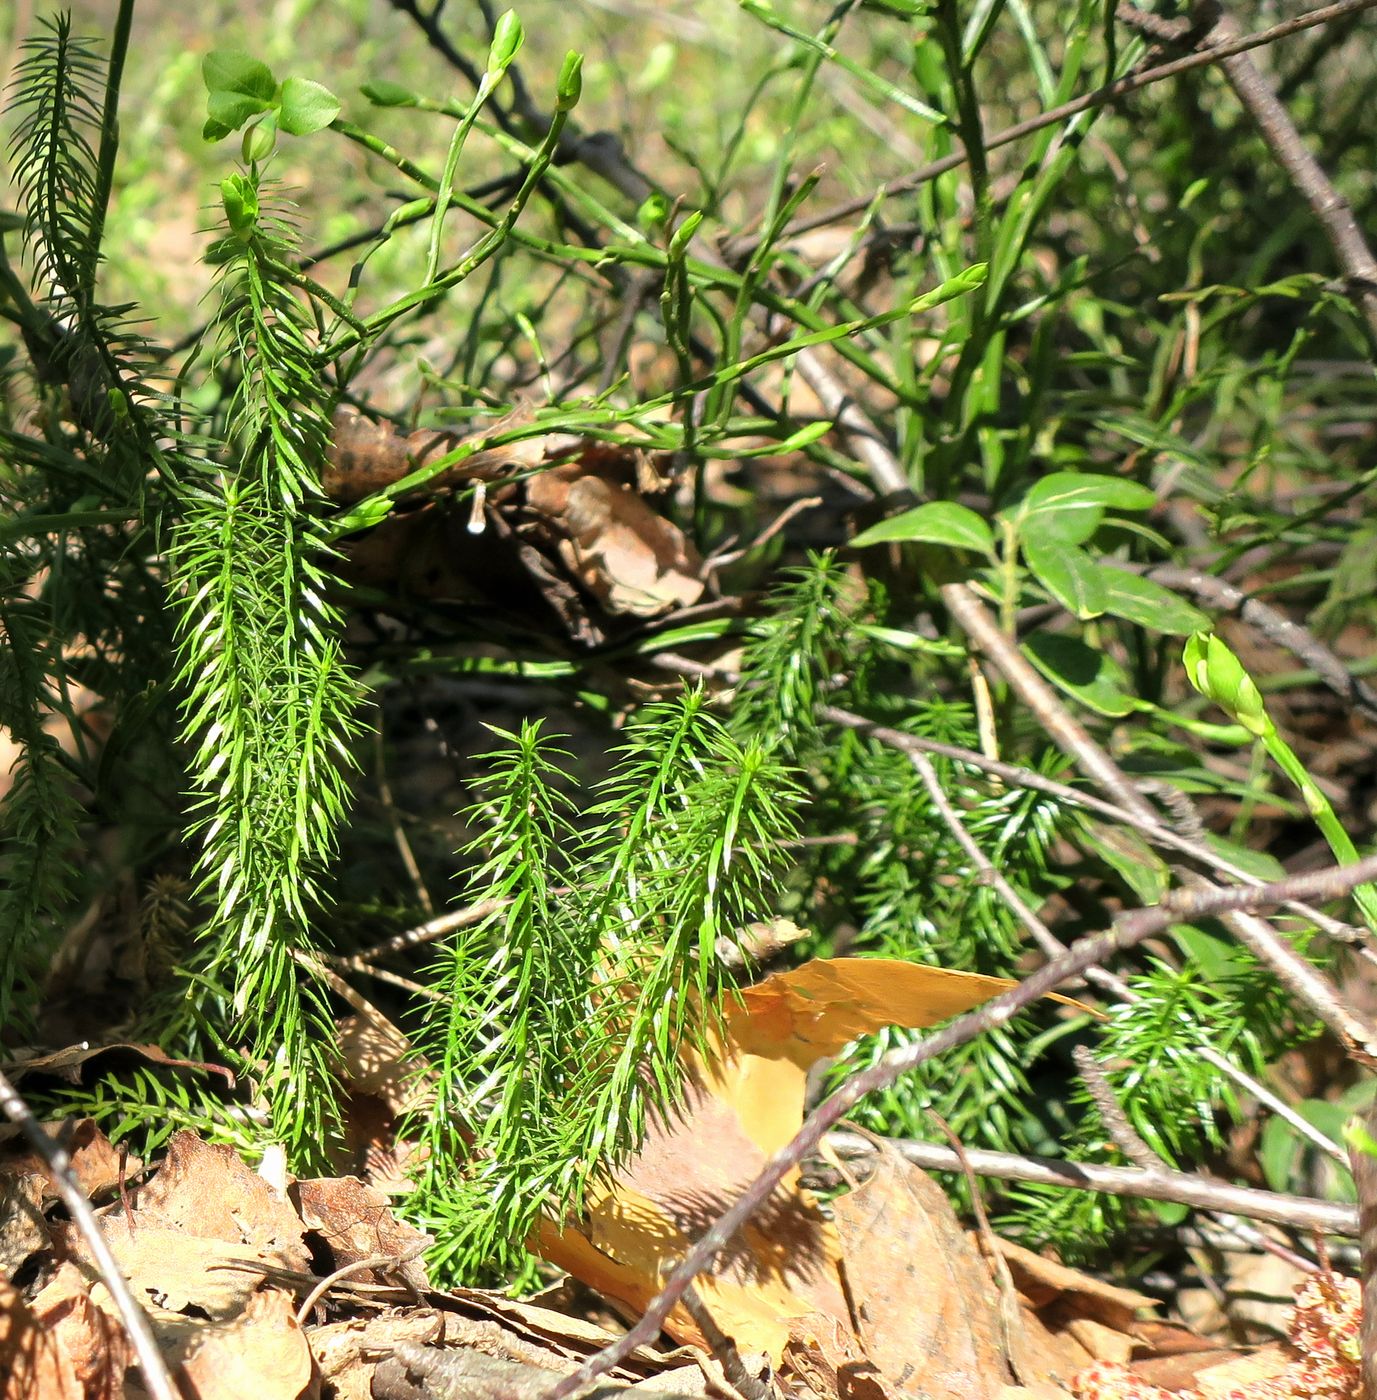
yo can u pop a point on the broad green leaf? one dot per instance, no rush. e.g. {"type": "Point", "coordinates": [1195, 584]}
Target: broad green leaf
{"type": "Point", "coordinates": [1071, 505]}
{"type": "Point", "coordinates": [382, 93]}
{"type": "Point", "coordinates": [1147, 603]}
{"type": "Point", "coordinates": [937, 522]}
{"type": "Point", "coordinates": [306, 107]}
{"type": "Point", "coordinates": [230, 71]}
{"type": "Point", "coordinates": [228, 111]}
{"type": "Point", "coordinates": [1069, 574]}
{"type": "Point", "coordinates": [1258, 864]}
{"type": "Point", "coordinates": [1277, 1153]}
{"type": "Point", "coordinates": [1091, 676]}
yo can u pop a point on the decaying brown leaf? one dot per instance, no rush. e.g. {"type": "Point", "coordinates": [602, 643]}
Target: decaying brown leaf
{"type": "Point", "coordinates": [204, 1190]}
{"type": "Point", "coordinates": [69, 1064]}
{"type": "Point", "coordinates": [86, 1334]}
{"type": "Point", "coordinates": [261, 1353]}
{"type": "Point", "coordinates": [32, 1359]}
{"type": "Point", "coordinates": [563, 526]}
{"type": "Point", "coordinates": [23, 1230]}
{"type": "Point", "coordinates": [95, 1161]}
{"type": "Point", "coordinates": [923, 1303]}
{"type": "Point", "coordinates": [631, 559]}
{"type": "Point", "coordinates": [354, 1222]}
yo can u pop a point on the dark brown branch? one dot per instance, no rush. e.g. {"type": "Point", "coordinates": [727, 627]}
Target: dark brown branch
{"type": "Point", "coordinates": [1331, 210]}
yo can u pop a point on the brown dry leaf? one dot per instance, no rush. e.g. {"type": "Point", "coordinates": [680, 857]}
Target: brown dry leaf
{"type": "Point", "coordinates": [203, 1190]}
{"type": "Point", "coordinates": [95, 1160]}
{"type": "Point", "coordinates": [33, 1366]}
{"type": "Point", "coordinates": [783, 1267]}
{"type": "Point", "coordinates": [261, 1353]}
{"type": "Point", "coordinates": [174, 1274]}
{"type": "Point", "coordinates": [205, 1234]}
{"type": "Point", "coordinates": [1068, 1319]}
{"type": "Point", "coordinates": [68, 1064]}
{"type": "Point", "coordinates": [356, 1223]}
{"type": "Point", "coordinates": [347, 1352]}
{"type": "Point", "coordinates": [629, 557]}
{"type": "Point", "coordinates": [1071, 1319]}
{"type": "Point", "coordinates": [23, 1229]}
{"type": "Point", "coordinates": [922, 1298]}
{"type": "Point", "coordinates": [87, 1334]}
{"type": "Point", "coordinates": [376, 1058]}
{"type": "Point", "coordinates": [364, 456]}
{"type": "Point", "coordinates": [825, 1360]}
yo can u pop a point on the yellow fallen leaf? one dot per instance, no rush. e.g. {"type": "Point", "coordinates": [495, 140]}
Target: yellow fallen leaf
{"type": "Point", "coordinates": [738, 1111]}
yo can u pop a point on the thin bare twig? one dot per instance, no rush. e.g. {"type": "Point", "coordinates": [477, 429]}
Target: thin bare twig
{"type": "Point", "coordinates": [1155, 1184]}
{"type": "Point", "coordinates": [723, 1347]}
{"type": "Point", "coordinates": [1128, 930]}
{"type": "Point", "coordinates": [1112, 1114]}
{"type": "Point", "coordinates": [1067, 732]}
{"type": "Point", "coordinates": [394, 821]}
{"type": "Point", "coordinates": [1331, 210]}
{"type": "Point", "coordinates": [156, 1378]}
{"type": "Point", "coordinates": [425, 933]}
{"type": "Point", "coordinates": [373, 1261]}
{"type": "Point", "coordinates": [1110, 92]}
{"type": "Point", "coordinates": [1365, 1179]}
{"type": "Point", "coordinates": [986, 869]}
{"type": "Point", "coordinates": [1306, 982]}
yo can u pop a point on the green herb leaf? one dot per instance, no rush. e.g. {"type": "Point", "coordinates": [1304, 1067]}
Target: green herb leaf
{"type": "Point", "coordinates": [937, 522]}
{"type": "Point", "coordinates": [307, 107]}
{"type": "Point", "coordinates": [1069, 574]}
{"type": "Point", "coordinates": [1147, 603]}
{"type": "Point", "coordinates": [1071, 505]}
{"type": "Point", "coordinates": [1092, 676]}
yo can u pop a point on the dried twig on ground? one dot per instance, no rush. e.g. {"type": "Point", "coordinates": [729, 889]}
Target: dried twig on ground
{"type": "Point", "coordinates": [1157, 1184]}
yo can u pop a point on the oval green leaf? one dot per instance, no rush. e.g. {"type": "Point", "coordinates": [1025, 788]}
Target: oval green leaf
{"type": "Point", "coordinates": [1069, 574]}
{"type": "Point", "coordinates": [1147, 603]}
{"type": "Point", "coordinates": [231, 71]}
{"type": "Point", "coordinates": [1071, 505]}
{"type": "Point", "coordinates": [1091, 676]}
{"type": "Point", "coordinates": [382, 93]}
{"type": "Point", "coordinates": [306, 107]}
{"type": "Point", "coordinates": [937, 522]}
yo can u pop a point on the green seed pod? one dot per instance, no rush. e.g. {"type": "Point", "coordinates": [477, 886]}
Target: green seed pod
{"type": "Point", "coordinates": [507, 38]}
{"type": "Point", "coordinates": [240, 199]}
{"type": "Point", "coordinates": [570, 86]}
{"type": "Point", "coordinates": [1219, 676]}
